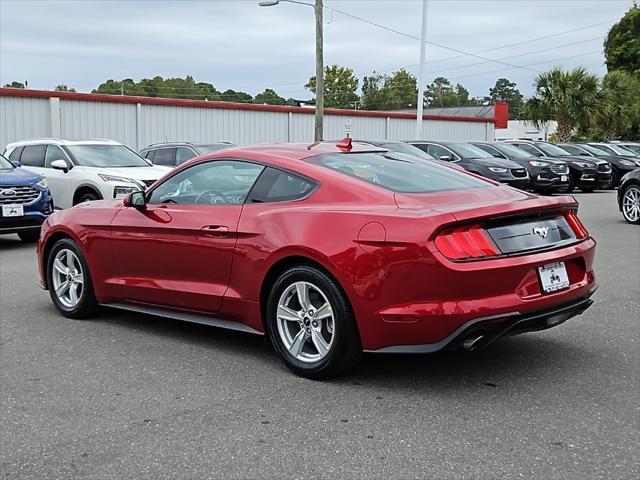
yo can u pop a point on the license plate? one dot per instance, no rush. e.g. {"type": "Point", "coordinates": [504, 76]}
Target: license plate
{"type": "Point", "coordinates": [553, 277]}
{"type": "Point", "coordinates": [564, 178]}
{"type": "Point", "coordinates": [12, 210]}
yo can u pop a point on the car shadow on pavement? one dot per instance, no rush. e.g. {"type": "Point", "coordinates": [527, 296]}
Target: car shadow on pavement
{"type": "Point", "coordinates": [518, 361]}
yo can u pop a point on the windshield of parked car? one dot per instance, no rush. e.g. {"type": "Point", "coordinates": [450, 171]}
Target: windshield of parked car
{"type": "Point", "coordinates": [467, 151]}
{"type": "Point", "coordinates": [408, 149]}
{"type": "Point", "coordinates": [594, 150]}
{"type": "Point", "coordinates": [5, 164]}
{"type": "Point", "coordinates": [573, 150]}
{"type": "Point", "coordinates": [617, 150]}
{"type": "Point", "coordinates": [202, 149]}
{"type": "Point", "coordinates": [552, 150]}
{"type": "Point", "coordinates": [511, 151]}
{"type": "Point", "coordinates": [398, 172]}
{"type": "Point", "coordinates": [105, 156]}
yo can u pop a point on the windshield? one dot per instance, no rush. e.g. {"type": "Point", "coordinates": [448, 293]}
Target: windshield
{"type": "Point", "coordinates": [105, 156]}
{"type": "Point", "coordinates": [5, 164]}
{"type": "Point", "coordinates": [511, 151]}
{"type": "Point", "coordinates": [468, 151]}
{"type": "Point", "coordinates": [552, 150]}
{"type": "Point", "coordinates": [408, 149]}
{"type": "Point", "coordinates": [573, 150]}
{"type": "Point", "coordinates": [202, 149]}
{"type": "Point", "coordinates": [398, 172]}
{"type": "Point", "coordinates": [617, 150]}
{"type": "Point", "coordinates": [593, 150]}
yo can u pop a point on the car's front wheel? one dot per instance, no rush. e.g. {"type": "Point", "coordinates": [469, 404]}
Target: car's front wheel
{"type": "Point", "coordinates": [631, 204]}
{"type": "Point", "coordinates": [69, 280]}
{"type": "Point", "coordinates": [311, 324]}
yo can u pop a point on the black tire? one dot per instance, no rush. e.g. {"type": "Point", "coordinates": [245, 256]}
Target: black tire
{"type": "Point", "coordinates": [345, 351]}
{"type": "Point", "coordinates": [87, 197]}
{"type": "Point", "coordinates": [29, 237]}
{"type": "Point", "coordinates": [587, 189]}
{"type": "Point", "coordinates": [87, 305]}
{"type": "Point", "coordinates": [627, 190]}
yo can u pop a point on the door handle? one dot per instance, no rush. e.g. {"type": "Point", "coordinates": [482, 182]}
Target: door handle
{"type": "Point", "coordinates": [215, 230]}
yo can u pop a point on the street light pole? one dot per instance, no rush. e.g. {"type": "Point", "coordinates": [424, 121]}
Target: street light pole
{"type": "Point", "coordinates": [421, 79]}
{"type": "Point", "coordinates": [318, 7]}
{"type": "Point", "coordinates": [318, 131]}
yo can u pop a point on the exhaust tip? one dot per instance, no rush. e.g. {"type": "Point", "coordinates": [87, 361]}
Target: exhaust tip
{"type": "Point", "coordinates": [472, 341]}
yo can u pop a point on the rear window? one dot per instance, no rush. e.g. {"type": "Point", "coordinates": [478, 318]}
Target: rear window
{"type": "Point", "coordinates": [398, 172]}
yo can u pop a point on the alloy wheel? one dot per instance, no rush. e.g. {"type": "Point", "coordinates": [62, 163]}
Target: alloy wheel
{"type": "Point", "coordinates": [305, 322]}
{"type": "Point", "coordinates": [631, 204]}
{"type": "Point", "coordinates": [68, 278]}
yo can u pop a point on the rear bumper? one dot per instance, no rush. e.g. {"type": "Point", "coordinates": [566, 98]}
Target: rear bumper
{"type": "Point", "coordinates": [489, 329]}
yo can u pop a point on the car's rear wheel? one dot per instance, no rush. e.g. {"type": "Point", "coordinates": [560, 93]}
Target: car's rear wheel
{"type": "Point", "coordinates": [631, 204]}
{"type": "Point", "coordinates": [312, 325]}
{"type": "Point", "coordinates": [69, 280]}
{"type": "Point", "coordinates": [29, 237]}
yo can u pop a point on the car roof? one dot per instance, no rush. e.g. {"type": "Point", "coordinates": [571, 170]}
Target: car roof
{"type": "Point", "coordinates": [300, 151]}
{"type": "Point", "coordinates": [60, 141]}
{"type": "Point", "coordinates": [189, 144]}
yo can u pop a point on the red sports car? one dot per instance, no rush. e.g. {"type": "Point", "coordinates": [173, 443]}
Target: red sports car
{"type": "Point", "coordinates": [329, 250]}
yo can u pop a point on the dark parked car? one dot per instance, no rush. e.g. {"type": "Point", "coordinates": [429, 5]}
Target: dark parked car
{"type": "Point", "coordinates": [25, 201]}
{"type": "Point", "coordinates": [477, 161]}
{"type": "Point", "coordinates": [614, 149]}
{"type": "Point", "coordinates": [587, 174]}
{"type": "Point", "coordinates": [176, 153]}
{"type": "Point", "coordinates": [629, 197]}
{"type": "Point", "coordinates": [619, 165]}
{"type": "Point", "coordinates": [633, 146]}
{"type": "Point", "coordinates": [547, 175]}
{"type": "Point", "coordinates": [397, 146]}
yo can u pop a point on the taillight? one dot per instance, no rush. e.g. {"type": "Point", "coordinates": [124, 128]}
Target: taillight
{"type": "Point", "coordinates": [575, 224]}
{"type": "Point", "coordinates": [466, 242]}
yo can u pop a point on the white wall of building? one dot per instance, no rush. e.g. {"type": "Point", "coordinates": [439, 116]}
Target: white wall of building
{"type": "Point", "coordinates": [140, 124]}
{"type": "Point", "coordinates": [519, 129]}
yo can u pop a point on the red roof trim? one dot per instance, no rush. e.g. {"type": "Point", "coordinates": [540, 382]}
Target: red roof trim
{"type": "Point", "coordinates": [179, 102]}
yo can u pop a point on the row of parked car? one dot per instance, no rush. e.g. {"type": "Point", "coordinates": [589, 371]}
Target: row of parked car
{"type": "Point", "coordinates": [59, 173]}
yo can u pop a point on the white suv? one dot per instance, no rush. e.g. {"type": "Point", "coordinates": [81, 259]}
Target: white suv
{"type": "Point", "coordinates": [80, 171]}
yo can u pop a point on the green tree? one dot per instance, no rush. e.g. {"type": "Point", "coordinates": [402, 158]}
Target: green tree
{"type": "Point", "coordinates": [269, 97]}
{"type": "Point", "coordinates": [622, 45]}
{"type": "Point", "coordinates": [506, 91]}
{"type": "Point", "coordinates": [14, 85]}
{"type": "Point", "coordinates": [160, 87]}
{"type": "Point", "coordinates": [233, 96]}
{"type": "Point", "coordinates": [340, 87]}
{"type": "Point", "coordinates": [618, 105]}
{"type": "Point", "coordinates": [569, 97]}
{"type": "Point", "coordinates": [372, 95]}
{"type": "Point", "coordinates": [400, 90]}
{"type": "Point", "coordinates": [441, 93]}
{"type": "Point", "coordinates": [63, 88]}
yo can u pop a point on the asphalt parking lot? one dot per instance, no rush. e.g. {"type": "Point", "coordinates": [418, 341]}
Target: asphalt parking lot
{"type": "Point", "coordinates": [133, 396]}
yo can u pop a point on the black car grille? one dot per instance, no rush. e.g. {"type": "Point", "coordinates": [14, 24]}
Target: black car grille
{"type": "Point", "coordinates": [519, 172]}
{"type": "Point", "coordinates": [560, 169]}
{"type": "Point", "coordinates": [21, 195]}
{"type": "Point", "coordinates": [604, 167]}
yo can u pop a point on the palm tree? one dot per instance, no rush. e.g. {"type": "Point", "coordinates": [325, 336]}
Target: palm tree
{"type": "Point", "coordinates": [618, 104]}
{"type": "Point", "coordinates": [569, 97]}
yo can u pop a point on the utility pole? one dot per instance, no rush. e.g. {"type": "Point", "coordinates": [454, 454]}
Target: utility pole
{"type": "Point", "coordinates": [421, 79]}
{"type": "Point", "coordinates": [318, 133]}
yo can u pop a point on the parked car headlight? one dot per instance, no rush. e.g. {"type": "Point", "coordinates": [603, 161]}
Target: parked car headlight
{"type": "Point", "coordinates": [582, 164]}
{"type": "Point", "coordinates": [498, 169]}
{"type": "Point", "coordinates": [628, 163]}
{"type": "Point", "coordinates": [536, 163]}
{"type": "Point", "coordinates": [42, 184]}
{"type": "Point", "coordinates": [113, 178]}
{"type": "Point", "coordinates": [121, 191]}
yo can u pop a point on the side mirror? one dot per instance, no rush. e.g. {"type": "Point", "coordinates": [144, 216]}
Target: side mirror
{"type": "Point", "coordinates": [135, 200]}
{"type": "Point", "coordinates": [16, 163]}
{"type": "Point", "coordinates": [444, 158]}
{"type": "Point", "coordinates": [60, 165]}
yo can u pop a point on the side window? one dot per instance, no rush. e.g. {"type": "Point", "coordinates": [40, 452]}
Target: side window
{"type": "Point", "coordinates": [437, 151]}
{"type": "Point", "coordinates": [278, 186]}
{"type": "Point", "coordinates": [54, 152]}
{"type": "Point", "coordinates": [490, 150]}
{"type": "Point", "coordinates": [15, 155]}
{"type": "Point", "coordinates": [183, 154]}
{"type": "Point", "coordinates": [33, 155]}
{"type": "Point", "coordinates": [422, 146]}
{"type": "Point", "coordinates": [165, 156]}
{"type": "Point", "coordinates": [220, 182]}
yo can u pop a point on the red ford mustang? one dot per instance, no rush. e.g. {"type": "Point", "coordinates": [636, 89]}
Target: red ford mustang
{"type": "Point", "coordinates": [329, 250]}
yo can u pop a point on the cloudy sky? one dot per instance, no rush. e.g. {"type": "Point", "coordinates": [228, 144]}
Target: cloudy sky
{"type": "Point", "coordinates": [236, 44]}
